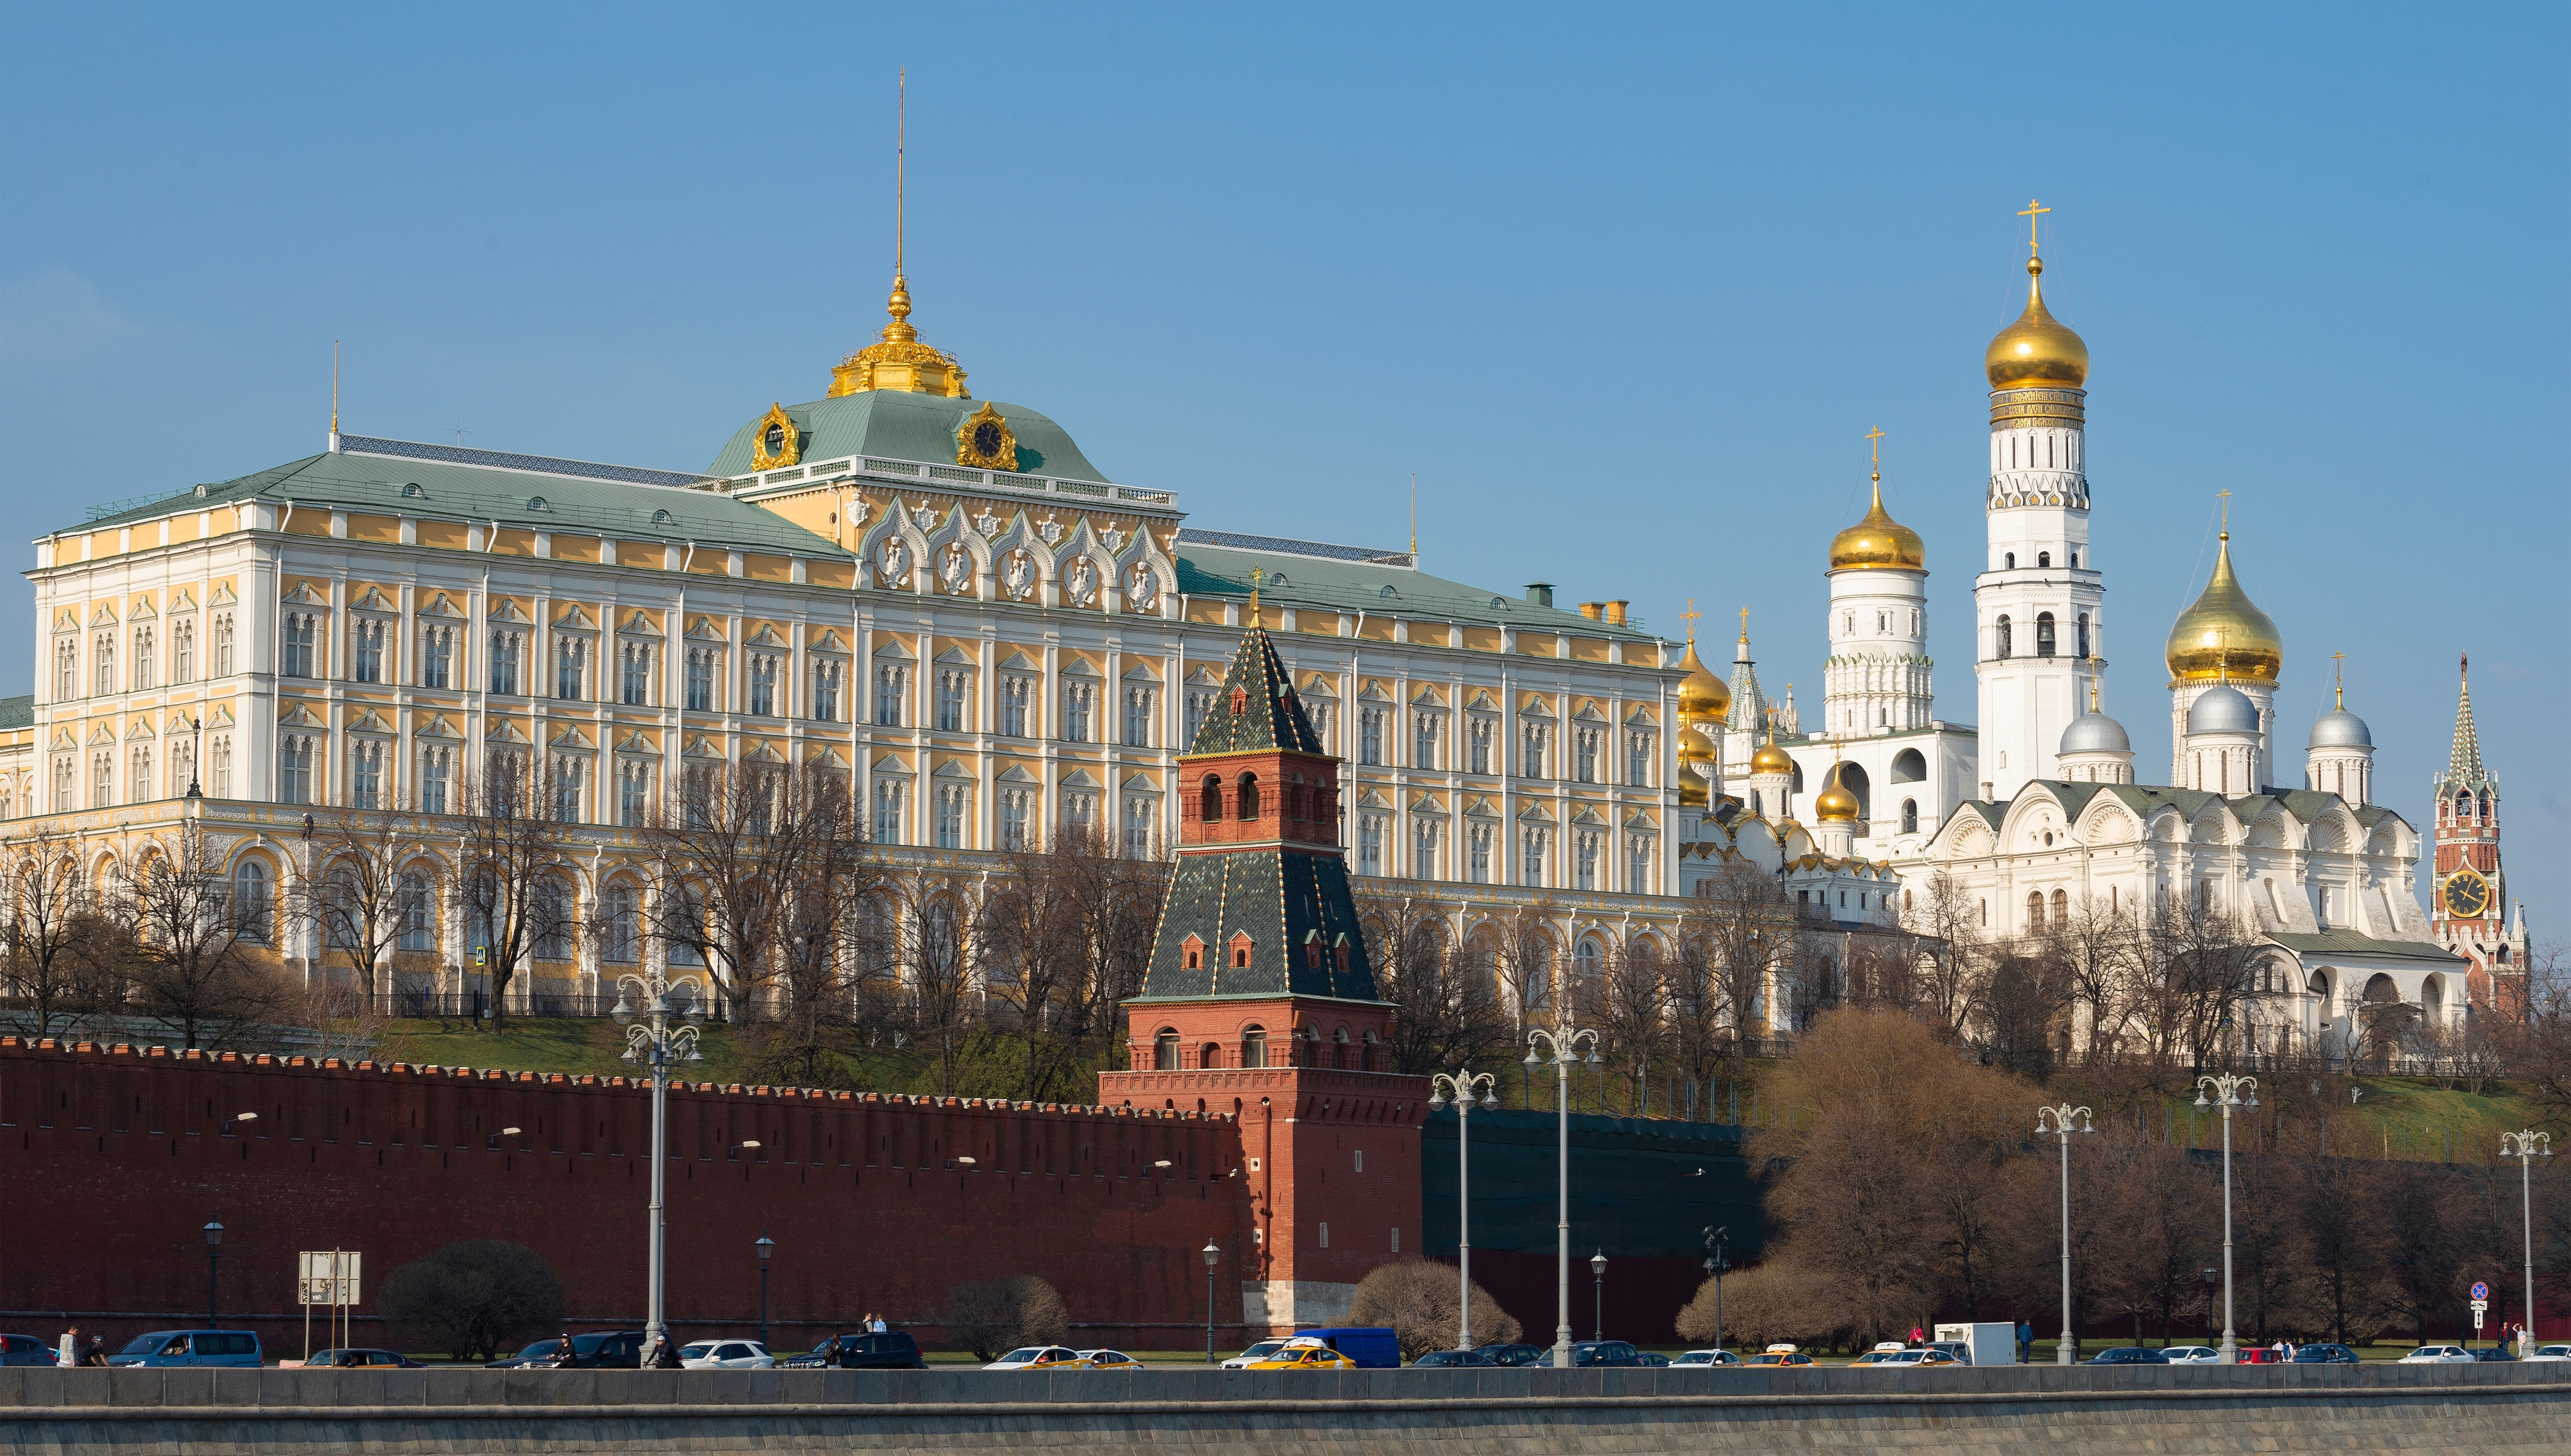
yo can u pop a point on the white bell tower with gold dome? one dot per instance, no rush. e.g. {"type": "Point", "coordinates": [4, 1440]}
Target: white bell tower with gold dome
{"type": "Point", "coordinates": [2036, 603]}
{"type": "Point", "coordinates": [1877, 672]}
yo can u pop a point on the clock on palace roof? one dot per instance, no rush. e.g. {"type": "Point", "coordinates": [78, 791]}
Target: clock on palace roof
{"type": "Point", "coordinates": [2469, 907]}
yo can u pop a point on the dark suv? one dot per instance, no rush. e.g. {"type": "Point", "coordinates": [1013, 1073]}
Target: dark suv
{"type": "Point", "coordinates": [2128, 1355]}
{"type": "Point", "coordinates": [892, 1350]}
{"type": "Point", "coordinates": [599, 1350]}
{"type": "Point", "coordinates": [2323, 1355]}
{"type": "Point", "coordinates": [1604, 1352]}
{"type": "Point", "coordinates": [1518, 1355]}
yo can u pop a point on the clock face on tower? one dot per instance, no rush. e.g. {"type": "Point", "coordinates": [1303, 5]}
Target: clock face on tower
{"type": "Point", "coordinates": [2466, 894]}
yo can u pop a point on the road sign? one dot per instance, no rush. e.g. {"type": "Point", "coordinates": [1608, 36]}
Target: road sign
{"type": "Point", "coordinates": [2480, 1289]}
{"type": "Point", "coordinates": [2477, 1316]}
{"type": "Point", "coordinates": [327, 1277]}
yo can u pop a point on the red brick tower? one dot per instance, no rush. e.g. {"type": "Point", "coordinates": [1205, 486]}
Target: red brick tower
{"type": "Point", "coordinates": [2468, 900]}
{"type": "Point", "coordinates": [1260, 1002]}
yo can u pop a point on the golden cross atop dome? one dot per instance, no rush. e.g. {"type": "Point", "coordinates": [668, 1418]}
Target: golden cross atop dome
{"type": "Point", "coordinates": [2339, 681]}
{"type": "Point", "coordinates": [1690, 616]}
{"type": "Point", "coordinates": [1876, 449]}
{"type": "Point", "coordinates": [1745, 624]}
{"type": "Point", "coordinates": [1256, 575]}
{"type": "Point", "coordinates": [2224, 496]}
{"type": "Point", "coordinates": [2031, 212]}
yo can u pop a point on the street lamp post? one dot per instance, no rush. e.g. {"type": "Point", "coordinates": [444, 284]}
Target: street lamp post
{"type": "Point", "coordinates": [1462, 1083]}
{"type": "Point", "coordinates": [214, 1266]}
{"type": "Point", "coordinates": [1562, 1041]}
{"type": "Point", "coordinates": [2060, 1117]}
{"type": "Point", "coordinates": [766, 1247]}
{"type": "Point", "coordinates": [659, 1029]}
{"type": "Point", "coordinates": [1213, 1256]}
{"type": "Point", "coordinates": [2227, 1095]}
{"type": "Point", "coordinates": [2526, 1146]}
{"type": "Point", "coordinates": [1716, 1264]}
{"type": "Point", "coordinates": [1598, 1272]}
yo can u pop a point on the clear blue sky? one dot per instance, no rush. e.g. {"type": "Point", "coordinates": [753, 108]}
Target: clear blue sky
{"type": "Point", "coordinates": [1625, 286]}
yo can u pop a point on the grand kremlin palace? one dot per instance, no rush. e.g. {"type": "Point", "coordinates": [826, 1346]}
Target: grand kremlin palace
{"type": "Point", "coordinates": [942, 597]}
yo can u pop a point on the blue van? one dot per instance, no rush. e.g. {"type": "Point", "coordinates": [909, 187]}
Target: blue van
{"type": "Point", "coordinates": [1372, 1350]}
{"type": "Point", "coordinates": [191, 1347]}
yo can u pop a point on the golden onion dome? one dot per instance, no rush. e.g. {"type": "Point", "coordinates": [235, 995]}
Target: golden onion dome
{"type": "Point", "coordinates": [2225, 635]}
{"type": "Point", "coordinates": [1879, 541]}
{"type": "Point", "coordinates": [1697, 768]}
{"type": "Point", "coordinates": [1770, 759]}
{"type": "Point", "coordinates": [2036, 352]}
{"type": "Point", "coordinates": [1834, 804]}
{"type": "Point", "coordinates": [1703, 697]}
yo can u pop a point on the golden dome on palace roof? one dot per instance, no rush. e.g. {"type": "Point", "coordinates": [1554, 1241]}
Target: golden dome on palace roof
{"type": "Point", "coordinates": [2225, 635]}
{"type": "Point", "coordinates": [1879, 541]}
{"type": "Point", "coordinates": [1770, 759]}
{"type": "Point", "coordinates": [897, 359]}
{"type": "Point", "coordinates": [1834, 804]}
{"type": "Point", "coordinates": [2036, 352]}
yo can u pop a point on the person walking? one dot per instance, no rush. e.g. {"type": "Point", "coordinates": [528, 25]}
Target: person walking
{"type": "Point", "coordinates": [2025, 1342]}
{"type": "Point", "coordinates": [664, 1355]}
{"type": "Point", "coordinates": [1916, 1334]}
{"type": "Point", "coordinates": [68, 1354]}
{"type": "Point", "coordinates": [876, 1324]}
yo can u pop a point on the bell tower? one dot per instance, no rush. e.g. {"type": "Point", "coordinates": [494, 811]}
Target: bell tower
{"type": "Point", "coordinates": [1261, 1005]}
{"type": "Point", "coordinates": [2469, 908]}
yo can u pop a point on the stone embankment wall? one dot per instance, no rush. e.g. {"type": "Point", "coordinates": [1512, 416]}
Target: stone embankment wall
{"type": "Point", "coordinates": [2421, 1410]}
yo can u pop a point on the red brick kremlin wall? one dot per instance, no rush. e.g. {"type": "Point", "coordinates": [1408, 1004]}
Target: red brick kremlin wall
{"type": "Point", "coordinates": [113, 1160]}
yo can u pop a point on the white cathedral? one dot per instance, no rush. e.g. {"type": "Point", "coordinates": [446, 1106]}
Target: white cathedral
{"type": "Point", "coordinates": [2035, 806]}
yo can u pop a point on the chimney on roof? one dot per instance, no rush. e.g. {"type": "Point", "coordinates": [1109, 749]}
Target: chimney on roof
{"type": "Point", "coordinates": [1539, 594]}
{"type": "Point", "coordinates": [1616, 613]}
{"type": "Point", "coordinates": [1592, 609]}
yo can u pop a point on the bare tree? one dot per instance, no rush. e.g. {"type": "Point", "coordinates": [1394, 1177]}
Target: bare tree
{"type": "Point", "coordinates": [1521, 948]}
{"type": "Point", "coordinates": [202, 966]}
{"type": "Point", "coordinates": [1120, 905]}
{"type": "Point", "coordinates": [924, 928]}
{"type": "Point", "coordinates": [2095, 952]}
{"type": "Point", "coordinates": [818, 964]}
{"type": "Point", "coordinates": [1033, 943]}
{"type": "Point", "coordinates": [728, 851]}
{"type": "Point", "coordinates": [1449, 1015]}
{"type": "Point", "coordinates": [355, 898]}
{"type": "Point", "coordinates": [509, 866]}
{"type": "Point", "coordinates": [1632, 1005]}
{"type": "Point", "coordinates": [1950, 961]}
{"type": "Point", "coordinates": [58, 968]}
{"type": "Point", "coordinates": [1700, 1036]}
{"type": "Point", "coordinates": [1749, 937]}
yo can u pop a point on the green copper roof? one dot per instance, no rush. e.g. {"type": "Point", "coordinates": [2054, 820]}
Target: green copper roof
{"type": "Point", "coordinates": [1290, 579]}
{"type": "Point", "coordinates": [897, 424]}
{"type": "Point", "coordinates": [1271, 716]}
{"type": "Point", "coordinates": [457, 487]}
{"type": "Point", "coordinates": [18, 711]}
{"type": "Point", "coordinates": [2348, 942]}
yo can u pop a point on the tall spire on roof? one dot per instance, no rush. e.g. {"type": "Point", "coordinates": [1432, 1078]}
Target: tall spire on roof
{"type": "Point", "coordinates": [2464, 765]}
{"type": "Point", "coordinates": [897, 359]}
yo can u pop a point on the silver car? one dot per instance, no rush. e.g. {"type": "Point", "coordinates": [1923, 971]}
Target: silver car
{"type": "Point", "coordinates": [2438, 1355]}
{"type": "Point", "coordinates": [2193, 1355]}
{"type": "Point", "coordinates": [726, 1354]}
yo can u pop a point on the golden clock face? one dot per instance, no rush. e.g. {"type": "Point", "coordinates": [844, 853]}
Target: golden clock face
{"type": "Point", "coordinates": [2466, 894]}
{"type": "Point", "coordinates": [777, 443]}
{"type": "Point", "coordinates": [985, 441]}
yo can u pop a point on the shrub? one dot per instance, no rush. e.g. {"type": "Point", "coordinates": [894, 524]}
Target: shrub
{"type": "Point", "coordinates": [990, 1316]}
{"type": "Point", "coordinates": [474, 1300]}
{"type": "Point", "coordinates": [1422, 1305]}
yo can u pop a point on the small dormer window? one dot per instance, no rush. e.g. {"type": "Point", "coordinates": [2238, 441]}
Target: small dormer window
{"type": "Point", "coordinates": [536, 503]}
{"type": "Point", "coordinates": [663, 518]}
{"type": "Point", "coordinates": [1240, 701]}
{"type": "Point", "coordinates": [412, 491]}
{"type": "Point", "coordinates": [1389, 592]}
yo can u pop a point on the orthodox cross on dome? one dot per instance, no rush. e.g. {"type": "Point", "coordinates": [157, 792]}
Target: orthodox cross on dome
{"type": "Point", "coordinates": [2224, 496]}
{"type": "Point", "coordinates": [1874, 449]}
{"type": "Point", "coordinates": [1690, 616]}
{"type": "Point", "coordinates": [2032, 210]}
{"type": "Point", "coordinates": [1745, 624]}
{"type": "Point", "coordinates": [2339, 680]}
{"type": "Point", "coordinates": [1256, 575]}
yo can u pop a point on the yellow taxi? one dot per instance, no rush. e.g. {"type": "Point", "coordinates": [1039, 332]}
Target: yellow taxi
{"type": "Point", "coordinates": [1775, 1355]}
{"type": "Point", "coordinates": [1110, 1360]}
{"type": "Point", "coordinates": [1304, 1354]}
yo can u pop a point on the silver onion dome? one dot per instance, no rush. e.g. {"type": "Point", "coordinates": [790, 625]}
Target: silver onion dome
{"type": "Point", "coordinates": [2095, 732]}
{"type": "Point", "coordinates": [2223, 710]}
{"type": "Point", "coordinates": [2341, 729]}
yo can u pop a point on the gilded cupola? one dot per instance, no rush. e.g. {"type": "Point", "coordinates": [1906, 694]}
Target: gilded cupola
{"type": "Point", "coordinates": [1834, 804]}
{"type": "Point", "coordinates": [2225, 635]}
{"type": "Point", "coordinates": [1772, 759]}
{"type": "Point", "coordinates": [898, 360]}
{"type": "Point", "coordinates": [1879, 542]}
{"type": "Point", "coordinates": [2037, 351]}
{"type": "Point", "coordinates": [1703, 697]}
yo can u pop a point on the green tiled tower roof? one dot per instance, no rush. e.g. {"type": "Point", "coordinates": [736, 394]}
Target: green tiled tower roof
{"type": "Point", "coordinates": [1273, 716]}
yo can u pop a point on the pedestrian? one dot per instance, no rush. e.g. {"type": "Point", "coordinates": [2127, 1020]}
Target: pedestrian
{"type": "Point", "coordinates": [68, 1354]}
{"type": "Point", "coordinates": [96, 1354]}
{"type": "Point", "coordinates": [2026, 1343]}
{"type": "Point", "coordinates": [565, 1358]}
{"type": "Point", "coordinates": [876, 1324]}
{"type": "Point", "coordinates": [664, 1357]}
{"type": "Point", "coordinates": [1916, 1334]}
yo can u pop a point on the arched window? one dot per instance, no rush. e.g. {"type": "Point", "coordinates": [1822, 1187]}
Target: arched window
{"type": "Point", "coordinates": [2035, 909]}
{"type": "Point", "coordinates": [2043, 559]}
{"type": "Point", "coordinates": [2004, 635]}
{"type": "Point", "coordinates": [2045, 634]}
{"type": "Point", "coordinates": [2486, 814]}
{"type": "Point", "coordinates": [249, 902]}
{"type": "Point", "coordinates": [2008, 562]}
{"type": "Point", "coordinates": [1249, 798]}
{"type": "Point", "coordinates": [1210, 1054]}
{"type": "Point", "coordinates": [2083, 652]}
{"type": "Point", "coordinates": [2061, 908]}
{"type": "Point", "coordinates": [2075, 561]}
{"type": "Point", "coordinates": [1164, 1050]}
{"type": "Point", "coordinates": [1910, 816]}
{"type": "Point", "coordinates": [2464, 808]}
{"type": "Point", "coordinates": [417, 932]}
{"type": "Point", "coordinates": [1254, 1046]}
{"type": "Point", "coordinates": [1210, 809]}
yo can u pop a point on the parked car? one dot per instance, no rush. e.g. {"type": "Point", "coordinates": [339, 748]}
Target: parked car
{"type": "Point", "coordinates": [25, 1349]}
{"type": "Point", "coordinates": [1960, 1352]}
{"type": "Point", "coordinates": [1110, 1360]}
{"type": "Point", "coordinates": [224, 1348]}
{"type": "Point", "coordinates": [2323, 1355]}
{"type": "Point", "coordinates": [1303, 1354]}
{"type": "Point", "coordinates": [2551, 1352]}
{"type": "Point", "coordinates": [1254, 1354]}
{"type": "Point", "coordinates": [1373, 1347]}
{"type": "Point", "coordinates": [2193, 1355]}
{"type": "Point", "coordinates": [1653, 1358]}
{"type": "Point", "coordinates": [1450, 1360]}
{"type": "Point", "coordinates": [1779, 1356]}
{"type": "Point", "coordinates": [2437, 1356]}
{"type": "Point", "coordinates": [1882, 1354]}
{"type": "Point", "coordinates": [353, 1358]}
{"type": "Point", "coordinates": [1518, 1355]}
{"type": "Point", "coordinates": [1040, 1357]}
{"type": "Point", "coordinates": [2261, 1356]}
{"type": "Point", "coordinates": [1608, 1352]}
{"type": "Point", "coordinates": [2494, 1355]}
{"type": "Point", "coordinates": [726, 1354]}
{"type": "Point", "coordinates": [883, 1350]}
{"type": "Point", "coordinates": [599, 1350]}
{"type": "Point", "coordinates": [2128, 1355]}
{"type": "Point", "coordinates": [1706, 1359]}
{"type": "Point", "coordinates": [1910, 1358]}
